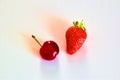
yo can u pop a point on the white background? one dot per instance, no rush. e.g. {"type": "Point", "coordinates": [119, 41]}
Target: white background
{"type": "Point", "coordinates": [98, 59]}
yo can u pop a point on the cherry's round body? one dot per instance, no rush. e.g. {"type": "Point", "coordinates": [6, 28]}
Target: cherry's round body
{"type": "Point", "coordinates": [49, 50]}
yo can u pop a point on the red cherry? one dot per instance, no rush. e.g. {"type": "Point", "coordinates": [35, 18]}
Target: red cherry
{"type": "Point", "coordinates": [49, 50]}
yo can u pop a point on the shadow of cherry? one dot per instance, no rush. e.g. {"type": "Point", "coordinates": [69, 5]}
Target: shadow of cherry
{"type": "Point", "coordinates": [49, 69]}
{"type": "Point", "coordinates": [30, 44]}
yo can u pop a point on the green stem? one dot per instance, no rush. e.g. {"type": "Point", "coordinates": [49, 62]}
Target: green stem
{"type": "Point", "coordinates": [79, 24]}
{"type": "Point", "coordinates": [75, 23]}
{"type": "Point", "coordinates": [36, 40]}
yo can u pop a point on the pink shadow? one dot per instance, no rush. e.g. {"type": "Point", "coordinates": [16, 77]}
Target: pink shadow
{"type": "Point", "coordinates": [30, 44]}
{"type": "Point", "coordinates": [56, 27]}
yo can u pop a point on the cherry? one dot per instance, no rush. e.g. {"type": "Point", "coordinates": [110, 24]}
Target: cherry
{"type": "Point", "coordinates": [49, 50]}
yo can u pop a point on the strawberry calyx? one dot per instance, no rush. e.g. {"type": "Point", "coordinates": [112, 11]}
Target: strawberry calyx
{"type": "Point", "coordinates": [79, 25]}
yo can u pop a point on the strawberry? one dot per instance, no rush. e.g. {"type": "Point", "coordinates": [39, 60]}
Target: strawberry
{"type": "Point", "coordinates": [75, 37]}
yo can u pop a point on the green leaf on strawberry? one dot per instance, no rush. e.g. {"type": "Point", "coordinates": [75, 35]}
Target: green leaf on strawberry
{"type": "Point", "coordinates": [79, 24]}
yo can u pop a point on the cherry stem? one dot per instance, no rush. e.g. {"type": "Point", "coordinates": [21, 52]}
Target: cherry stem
{"type": "Point", "coordinates": [36, 40]}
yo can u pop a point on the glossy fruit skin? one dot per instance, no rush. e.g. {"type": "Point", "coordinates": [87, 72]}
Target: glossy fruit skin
{"type": "Point", "coordinates": [49, 50]}
{"type": "Point", "coordinates": [75, 37]}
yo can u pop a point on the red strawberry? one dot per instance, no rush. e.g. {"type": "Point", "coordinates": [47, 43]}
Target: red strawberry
{"type": "Point", "coordinates": [75, 37]}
